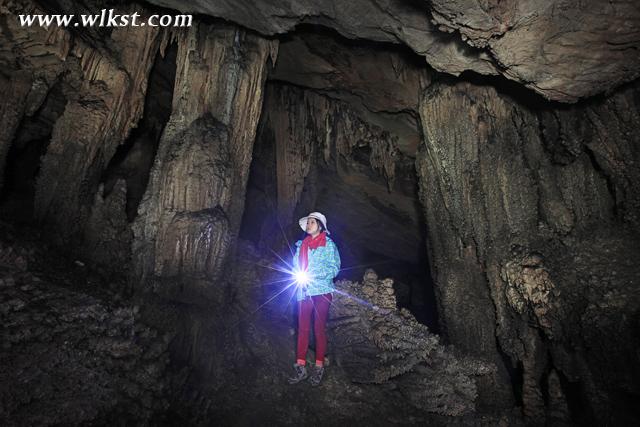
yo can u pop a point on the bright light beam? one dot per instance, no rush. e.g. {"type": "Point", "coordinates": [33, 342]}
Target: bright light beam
{"type": "Point", "coordinates": [358, 300]}
{"type": "Point", "coordinates": [281, 259]}
{"type": "Point", "coordinates": [302, 277]}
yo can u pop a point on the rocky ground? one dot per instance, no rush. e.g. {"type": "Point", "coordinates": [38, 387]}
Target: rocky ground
{"type": "Point", "coordinates": [75, 351]}
{"type": "Point", "coordinates": [72, 351]}
{"type": "Point", "coordinates": [384, 368]}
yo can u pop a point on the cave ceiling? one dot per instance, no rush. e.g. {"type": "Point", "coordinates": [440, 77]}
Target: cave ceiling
{"type": "Point", "coordinates": [563, 50]}
{"type": "Point", "coordinates": [381, 84]}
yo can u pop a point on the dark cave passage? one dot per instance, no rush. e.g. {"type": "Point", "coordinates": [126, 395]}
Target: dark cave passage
{"type": "Point", "coordinates": [356, 162]}
{"type": "Point", "coordinates": [412, 280]}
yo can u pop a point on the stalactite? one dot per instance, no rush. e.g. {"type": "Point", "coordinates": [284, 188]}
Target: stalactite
{"type": "Point", "coordinates": [105, 97]}
{"type": "Point", "coordinates": [384, 153]}
{"type": "Point", "coordinates": [193, 204]}
{"type": "Point", "coordinates": [307, 127]}
{"type": "Point", "coordinates": [108, 103]}
{"type": "Point", "coordinates": [32, 60]}
{"type": "Point", "coordinates": [291, 124]}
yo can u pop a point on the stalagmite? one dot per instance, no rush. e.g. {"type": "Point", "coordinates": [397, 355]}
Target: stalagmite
{"type": "Point", "coordinates": [376, 343]}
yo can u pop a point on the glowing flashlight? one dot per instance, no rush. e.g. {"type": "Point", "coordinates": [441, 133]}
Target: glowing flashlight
{"type": "Point", "coordinates": [302, 278]}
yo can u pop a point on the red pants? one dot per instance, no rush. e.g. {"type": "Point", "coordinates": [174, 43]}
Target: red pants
{"type": "Point", "coordinates": [319, 305]}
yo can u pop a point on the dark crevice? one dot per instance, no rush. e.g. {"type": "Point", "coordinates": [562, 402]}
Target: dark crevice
{"type": "Point", "coordinates": [515, 370]}
{"type": "Point", "coordinates": [134, 158]}
{"type": "Point", "coordinates": [611, 187]}
{"type": "Point", "coordinates": [580, 409]}
{"type": "Point", "coordinates": [23, 159]}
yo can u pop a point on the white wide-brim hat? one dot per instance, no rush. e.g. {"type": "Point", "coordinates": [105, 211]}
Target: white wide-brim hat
{"type": "Point", "coordinates": [317, 215]}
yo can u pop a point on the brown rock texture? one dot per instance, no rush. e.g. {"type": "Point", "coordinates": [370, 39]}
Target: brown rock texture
{"type": "Point", "coordinates": [193, 203]}
{"type": "Point", "coordinates": [131, 148]}
{"type": "Point", "coordinates": [104, 93]}
{"type": "Point", "coordinates": [386, 78]}
{"type": "Point", "coordinates": [563, 50]}
{"type": "Point", "coordinates": [374, 342]}
{"type": "Point", "coordinates": [515, 200]}
{"type": "Point", "coordinates": [393, 21]}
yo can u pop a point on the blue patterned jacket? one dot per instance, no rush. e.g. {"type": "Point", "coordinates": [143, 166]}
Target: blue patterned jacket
{"type": "Point", "coordinates": [324, 265]}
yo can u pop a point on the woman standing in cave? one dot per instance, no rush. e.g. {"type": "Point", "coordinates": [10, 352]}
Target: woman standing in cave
{"type": "Point", "coordinates": [317, 256]}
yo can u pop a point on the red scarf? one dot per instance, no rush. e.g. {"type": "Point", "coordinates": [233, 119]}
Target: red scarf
{"type": "Point", "coordinates": [310, 243]}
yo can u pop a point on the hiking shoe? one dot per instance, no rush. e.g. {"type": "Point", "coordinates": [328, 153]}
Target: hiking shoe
{"type": "Point", "coordinates": [300, 374]}
{"type": "Point", "coordinates": [316, 376]}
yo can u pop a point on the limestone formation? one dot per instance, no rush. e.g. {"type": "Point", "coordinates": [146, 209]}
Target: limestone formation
{"type": "Point", "coordinates": [108, 236]}
{"type": "Point", "coordinates": [384, 80]}
{"type": "Point", "coordinates": [339, 153]}
{"type": "Point", "coordinates": [483, 156]}
{"type": "Point", "coordinates": [564, 51]}
{"type": "Point", "coordinates": [374, 342]}
{"type": "Point", "coordinates": [395, 21]}
{"type": "Point", "coordinates": [192, 207]}
{"type": "Point", "coordinates": [508, 242]}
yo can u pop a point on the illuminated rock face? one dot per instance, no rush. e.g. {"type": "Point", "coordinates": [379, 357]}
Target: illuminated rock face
{"type": "Point", "coordinates": [374, 342]}
{"type": "Point", "coordinates": [133, 150]}
{"type": "Point", "coordinates": [193, 204]}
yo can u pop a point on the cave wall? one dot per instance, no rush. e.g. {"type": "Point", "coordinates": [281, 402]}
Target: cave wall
{"type": "Point", "coordinates": [563, 50]}
{"type": "Point", "coordinates": [103, 105]}
{"type": "Point", "coordinates": [104, 95]}
{"type": "Point", "coordinates": [192, 208]}
{"type": "Point", "coordinates": [195, 193]}
{"type": "Point", "coordinates": [528, 205]}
